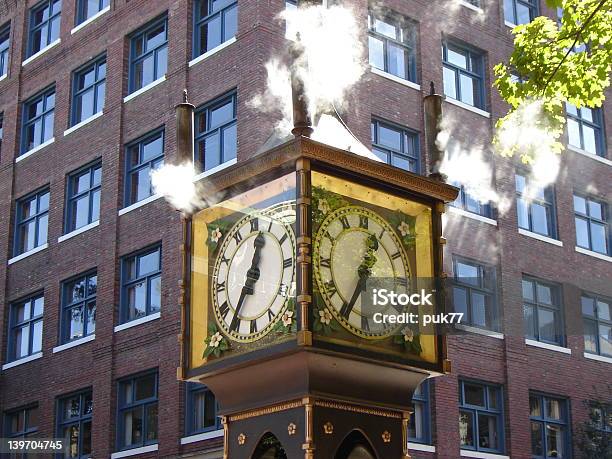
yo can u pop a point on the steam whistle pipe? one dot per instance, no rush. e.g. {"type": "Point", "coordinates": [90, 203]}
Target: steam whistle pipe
{"type": "Point", "coordinates": [302, 124]}
{"type": "Point", "coordinates": [184, 130]}
{"type": "Point", "coordinates": [432, 107]}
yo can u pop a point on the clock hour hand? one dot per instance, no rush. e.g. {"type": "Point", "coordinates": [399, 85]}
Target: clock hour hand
{"type": "Point", "coordinates": [346, 309]}
{"type": "Point", "coordinates": [364, 271]}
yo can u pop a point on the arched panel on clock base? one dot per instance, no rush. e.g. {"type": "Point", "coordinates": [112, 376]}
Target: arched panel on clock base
{"type": "Point", "coordinates": [269, 447]}
{"type": "Point", "coordinates": [355, 446]}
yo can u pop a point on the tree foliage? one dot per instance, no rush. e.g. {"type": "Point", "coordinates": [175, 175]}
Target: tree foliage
{"type": "Point", "coordinates": [557, 62]}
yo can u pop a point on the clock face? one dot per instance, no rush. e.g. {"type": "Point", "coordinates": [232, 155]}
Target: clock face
{"type": "Point", "coordinates": [253, 275]}
{"type": "Point", "coordinates": [345, 240]}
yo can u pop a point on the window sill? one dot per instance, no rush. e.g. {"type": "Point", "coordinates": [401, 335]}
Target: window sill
{"type": "Point", "coordinates": [540, 237]}
{"type": "Point", "coordinates": [481, 331]}
{"type": "Point", "coordinates": [3, 77]}
{"type": "Point", "coordinates": [90, 20]}
{"type": "Point", "coordinates": [421, 447]}
{"type": "Point", "coordinates": [590, 253]}
{"type": "Point", "coordinates": [213, 51]}
{"type": "Point", "coordinates": [599, 358]}
{"type": "Point", "coordinates": [34, 150]}
{"type": "Point", "coordinates": [478, 454]}
{"type": "Point", "coordinates": [144, 89]}
{"type": "Point", "coordinates": [83, 123]}
{"type": "Point", "coordinates": [470, 108]}
{"type": "Point", "coordinates": [215, 169]}
{"type": "Point", "coordinates": [135, 451]}
{"type": "Point", "coordinates": [589, 155]}
{"type": "Point", "coordinates": [28, 253]}
{"type": "Point", "coordinates": [136, 322]}
{"type": "Point", "coordinates": [202, 436]}
{"type": "Point", "coordinates": [397, 79]}
{"type": "Point", "coordinates": [550, 347]}
{"type": "Point", "coordinates": [138, 204]}
{"type": "Point", "coordinates": [512, 25]}
{"type": "Point", "coordinates": [465, 213]}
{"type": "Point", "coordinates": [21, 361]}
{"type": "Point", "coordinates": [42, 51]}
{"type": "Point", "coordinates": [76, 342]}
{"type": "Point", "coordinates": [471, 7]}
{"type": "Point", "coordinates": [76, 232]}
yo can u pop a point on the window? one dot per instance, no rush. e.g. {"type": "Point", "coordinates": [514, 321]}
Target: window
{"type": "Point", "coordinates": [89, 8]}
{"type": "Point", "coordinates": [44, 25]}
{"type": "Point", "coordinates": [290, 30]}
{"type": "Point", "coordinates": [74, 424]}
{"type": "Point", "coordinates": [216, 21]}
{"type": "Point", "coordinates": [597, 312]}
{"type": "Point", "coordinates": [592, 230]}
{"type": "Point", "coordinates": [137, 423]}
{"type": "Point", "coordinates": [419, 430]}
{"type": "Point", "coordinates": [79, 307]}
{"type": "Point", "coordinates": [481, 424]}
{"type": "Point", "coordinates": [463, 70]}
{"type": "Point", "coordinates": [201, 410]}
{"type": "Point", "coordinates": [141, 279]}
{"type": "Point", "coordinates": [38, 114]}
{"type": "Point", "coordinates": [549, 427]}
{"type": "Point", "coordinates": [216, 135]}
{"type": "Point", "coordinates": [585, 129]}
{"type": "Point", "coordinates": [142, 157]}
{"type": "Point", "coordinates": [535, 207]}
{"type": "Point", "coordinates": [21, 423]}
{"type": "Point", "coordinates": [5, 33]}
{"type": "Point", "coordinates": [395, 145]}
{"type": "Point", "coordinates": [32, 216]}
{"type": "Point", "coordinates": [89, 85]}
{"type": "Point", "coordinates": [83, 197]}
{"type": "Point", "coordinates": [542, 311]}
{"type": "Point", "coordinates": [468, 203]}
{"type": "Point", "coordinates": [520, 11]}
{"type": "Point", "coordinates": [148, 55]}
{"type": "Point", "coordinates": [601, 417]}
{"type": "Point", "coordinates": [392, 42]}
{"type": "Point", "coordinates": [474, 294]}
{"type": "Point", "coordinates": [26, 328]}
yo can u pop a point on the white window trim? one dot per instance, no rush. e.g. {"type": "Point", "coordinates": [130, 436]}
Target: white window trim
{"type": "Point", "coordinates": [3, 76]}
{"type": "Point", "coordinates": [480, 455]}
{"type": "Point", "coordinates": [90, 20]}
{"type": "Point", "coordinates": [203, 436]}
{"type": "Point", "coordinates": [421, 447]}
{"type": "Point", "coordinates": [599, 358]}
{"type": "Point", "coordinates": [593, 254]}
{"type": "Point", "coordinates": [213, 51]}
{"type": "Point", "coordinates": [136, 205]}
{"type": "Point", "coordinates": [512, 25]}
{"type": "Point", "coordinates": [144, 89]}
{"type": "Point", "coordinates": [42, 51]}
{"type": "Point", "coordinates": [76, 342]}
{"type": "Point", "coordinates": [215, 169]}
{"type": "Point", "coordinates": [470, 6]}
{"type": "Point", "coordinates": [550, 347]}
{"type": "Point", "coordinates": [472, 215]}
{"type": "Point", "coordinates": [481, 331]}
{"type": "Point", "coordinates": [78, 231]}
{"type": "Point", "coordinates": [135, 451]}
{"type": "Point", "coordinates": [34, 150]}
{"type": "Point", "coordinates": [582, 152]}
{"type": "Point", "coordinates": [465, 106]}
{"type": "Point", "coordinates": [540, 237]}
{"type": "Point", "coordinates": [27, 359]}
{"type": "Point", "coordinates": [83, 123]}
{"type": "Point", "coordinates": [136, 322]}
{"type": "Point", "coordinates": [395, 78]}
{"type": "Point", "coordinates": [28, 253]}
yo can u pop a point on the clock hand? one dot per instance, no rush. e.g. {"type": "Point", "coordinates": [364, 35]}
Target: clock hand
{"type": "Point", "coordinates": [363, 271]}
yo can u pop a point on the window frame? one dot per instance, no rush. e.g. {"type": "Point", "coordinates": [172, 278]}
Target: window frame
{"type": "Point", "coordinates": [556, 296]}
{"type": "Point", "coordinates": [486, 410]}
{"type": "Point", "coordinates": [424, 399]}
{"type": "Point", "coordinates": [21, 221]}
{"type": "Point", "coordinates": [470, 53]}
{"type": "Point", "coordinates": [80, 17]}
{"type": "Point", "coordinates": [406, 25]}
{"type": "Point", "coordinates": [549, 203]}
{"type": "Point", "coordinates": [532, 5]}
{"type": "Point", "coordinates": [71, 197]}
{"type": "Point", "coordinates": [126, 282]}
{"type": "Point", "coordinates": [198, 22]}
{"type": "Point", "coordinates": [191, 390]}
{"type": "Point", "coordinates": [150, 163]}
{"type": "Point", "coordinates": [406, 135]}
{"type": "Point", "coordinates": [83, 418]}
{"type": "Point", "coordinates": [5, 47]}
{"type": "Point", "coordinates": [597, 125]}
{"type": "Point", "coordinates": [134, 60]}
{"type": "Point", "coordinates": [596, 319]}
{"type": "Point", "coordinates": [98, 105]}
{"type": "Point", "coordinates": [143, 404]}
{"type": "Point", "coordinates": [589, 220]}
{"type": "Point", "coordinates": [544, 420]}
{"type": "Point", "coordinates": [486, 210]}
{"type": "Point", "coordinates": [44, 95]}
{"type": "Point", "coordinates": [30, 323]}
{"type": "Point", "coordinates": [66, 307]}
{"type": "Point", "coordinates": [32, 29]}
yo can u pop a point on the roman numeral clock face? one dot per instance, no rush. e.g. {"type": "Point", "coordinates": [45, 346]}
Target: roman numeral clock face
{"type": "Point", "coordinates": [254, 274]}
{"type": "Point", "coordinates": [340, 252]}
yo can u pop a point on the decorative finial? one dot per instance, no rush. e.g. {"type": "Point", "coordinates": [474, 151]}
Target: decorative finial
{"type": "Point", "coordinates": [185, 95]}
{"type": "Point", "coordinates": [432, 89]}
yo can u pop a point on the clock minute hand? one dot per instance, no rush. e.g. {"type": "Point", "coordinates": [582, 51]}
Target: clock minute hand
{"type": "Point", "coordinates": [364, 270]}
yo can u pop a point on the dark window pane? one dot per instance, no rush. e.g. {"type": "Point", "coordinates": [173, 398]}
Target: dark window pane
{"type": "Point", "coordinates": [537, 448]}
{"type": "Point", "coordinates": [145, 387]}
{"type": "Point", "coordinates": [487, 432]}
{"type": "Point", "coordinates": [474, 395]}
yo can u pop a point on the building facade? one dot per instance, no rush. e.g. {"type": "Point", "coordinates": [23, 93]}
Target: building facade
{"type": "Point", "coordinates": [90, 257]}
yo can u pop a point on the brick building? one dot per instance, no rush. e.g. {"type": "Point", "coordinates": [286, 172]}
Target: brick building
{"type": "Point", "coordinates": [90, 261]}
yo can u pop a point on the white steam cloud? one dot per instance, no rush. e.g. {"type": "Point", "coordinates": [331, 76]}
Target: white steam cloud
{"type": "Point", "coordinates": [175, 183]}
